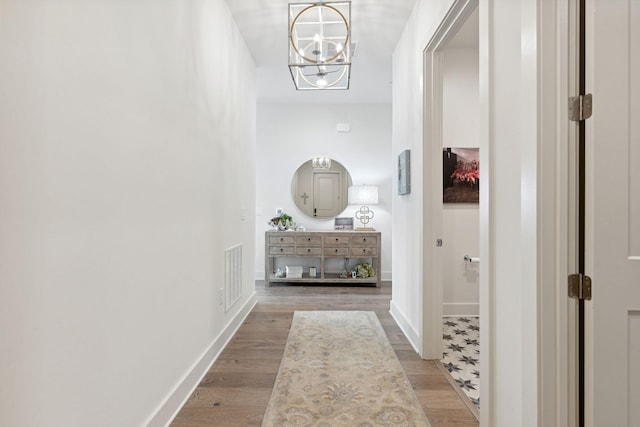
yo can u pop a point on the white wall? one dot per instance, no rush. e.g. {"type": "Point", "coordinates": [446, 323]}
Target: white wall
{"type": "Point", "coordinates": [517, 199]}
{"type": "Point", "coordinates": [409, 215]}
{"type": "Point", "coordinates": [503, 244]}
{"type": "Point", "coordinates": [127, 135]}
{"type": "Point", "coordinates": [460, 222]}
{"type": "Point", "coordinates": [289, 135]}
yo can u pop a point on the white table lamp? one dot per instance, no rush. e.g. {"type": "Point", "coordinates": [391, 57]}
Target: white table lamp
{"type": "Point", "coordinates": [364, 195]}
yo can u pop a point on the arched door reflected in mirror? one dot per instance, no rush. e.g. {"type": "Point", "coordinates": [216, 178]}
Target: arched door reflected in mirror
{"type": "Point", "coordinates": [319, 188]}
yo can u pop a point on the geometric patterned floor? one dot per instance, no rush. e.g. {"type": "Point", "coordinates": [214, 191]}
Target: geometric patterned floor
{"type": "Point", "coordinates": [462, 353]}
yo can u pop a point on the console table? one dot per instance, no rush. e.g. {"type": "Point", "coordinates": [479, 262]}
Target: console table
{"type": "Point", "coordinates": [307, 248]}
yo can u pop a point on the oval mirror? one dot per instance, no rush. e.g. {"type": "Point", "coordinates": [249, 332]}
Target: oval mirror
{"type": "Point", "coordinates": [319, 188]}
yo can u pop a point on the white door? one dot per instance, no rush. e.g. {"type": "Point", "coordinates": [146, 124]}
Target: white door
{"type": "Point", "coordinates": [326, 194]}
{"type": "Point", "coordinates": [613, 213]}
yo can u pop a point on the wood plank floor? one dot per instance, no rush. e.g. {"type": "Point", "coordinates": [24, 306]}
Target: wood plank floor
{"type": "Point", "coordinates": [237, 388]}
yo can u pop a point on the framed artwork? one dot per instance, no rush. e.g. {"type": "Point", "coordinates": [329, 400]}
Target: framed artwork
{"type": "Point", "coordinates": [461, 175]}
{"type": "Point", "coordinates": [404, 172]}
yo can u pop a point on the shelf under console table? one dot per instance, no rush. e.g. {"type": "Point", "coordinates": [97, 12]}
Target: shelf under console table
{"type": "Point", "coordinates": [323, 250]}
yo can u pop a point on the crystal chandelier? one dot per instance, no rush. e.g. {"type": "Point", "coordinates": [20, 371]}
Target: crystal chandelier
{"type": "Point", "coordinates": [320, 45]}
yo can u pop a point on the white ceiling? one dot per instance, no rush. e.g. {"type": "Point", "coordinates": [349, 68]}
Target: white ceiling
{"type": "Point", "coordinates": [376, 25]}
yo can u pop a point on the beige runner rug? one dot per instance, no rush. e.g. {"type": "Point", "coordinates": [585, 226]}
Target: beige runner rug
{"type": "Point", "coordinates": [339, 369]}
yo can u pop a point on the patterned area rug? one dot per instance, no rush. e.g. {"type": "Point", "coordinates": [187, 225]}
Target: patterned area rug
{"type": "Point", "coordinates": [462, 354]}
{"type": "Point", "coordinates": [339, 369]}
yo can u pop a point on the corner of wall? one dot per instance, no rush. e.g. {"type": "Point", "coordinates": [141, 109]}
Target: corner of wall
{"type": "Point", "coordinates": [409, 331]}
{"type": "Point", "coordinates": [168, 410]}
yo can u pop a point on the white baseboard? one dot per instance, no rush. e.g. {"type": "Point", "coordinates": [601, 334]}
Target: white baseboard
{"type": "Point", "coordinates": [386, 276]}
{"type": "Point", "coordinates": [178, 397]}
{"type": "Point", "coordinates": [412, 335]}
{"type": "Point", "coordinates": [460, 309]}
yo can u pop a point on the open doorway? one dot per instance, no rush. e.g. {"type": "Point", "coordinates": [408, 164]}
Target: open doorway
{"type": "Point", "coordinates": [460, 209]}
{"type": "Point", "coordinates": [452, 137]}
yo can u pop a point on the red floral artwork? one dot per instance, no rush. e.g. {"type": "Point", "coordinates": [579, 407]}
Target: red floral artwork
{"type": "Point", "coordinates": [461, 175]}
{"type": "Point", "coordinates": [467, 172]}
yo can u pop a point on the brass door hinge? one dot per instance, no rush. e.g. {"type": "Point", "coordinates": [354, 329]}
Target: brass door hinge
{"type": "Point", "coordinates": [580, 107]}
{"type": "Point", "coordinates": [580, 287]}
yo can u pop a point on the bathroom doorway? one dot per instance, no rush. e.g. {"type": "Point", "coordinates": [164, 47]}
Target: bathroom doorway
{"type": "Point", "coordinates": [451, 306]}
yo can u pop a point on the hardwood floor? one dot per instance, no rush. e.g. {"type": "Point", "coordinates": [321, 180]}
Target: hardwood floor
{"type": "Point", "coordinates": [237, 388]}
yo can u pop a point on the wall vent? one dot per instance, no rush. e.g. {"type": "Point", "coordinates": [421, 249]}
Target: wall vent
{"type": "Point", "coordinates": [233, 276]}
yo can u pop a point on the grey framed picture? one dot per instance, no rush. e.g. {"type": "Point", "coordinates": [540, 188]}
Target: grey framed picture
{"type": "Point", "coordinates": [404, 172]}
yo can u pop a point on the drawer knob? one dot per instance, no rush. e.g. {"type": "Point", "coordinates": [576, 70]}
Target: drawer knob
{"type": "Point", "coordinates": [337, 239]}
{"type": "Point", "coordinates": [364, 250]}
{"type": "Point", "coordinates": [364, 240]}
{"type": "Point", "coordinates": [336, 251]}
{"type": "Point", "coordinates": [308, 251]}
{"type": "Point", "coordinates": [281, 249]}
{"type": "Point", "coordinates": [282, 239]}
{"type": "Point", "coordinates": [309, 239]}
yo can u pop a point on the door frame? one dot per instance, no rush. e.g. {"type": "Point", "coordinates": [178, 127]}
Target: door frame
{"type": "Point", "coordinates": [551, 401]}
{"type": "Point", "coordinates": [558, 138]}
{"type": "Point", "coordinates": [432, 343]}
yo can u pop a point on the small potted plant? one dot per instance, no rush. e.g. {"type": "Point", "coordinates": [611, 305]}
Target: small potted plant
{"type": "Point", "coordinates": [282, 222]}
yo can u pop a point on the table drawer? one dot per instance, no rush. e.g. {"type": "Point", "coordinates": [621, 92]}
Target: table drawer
{"type": "Point", "coordinates": [281, 250]}
{"type": "Point", "coordinates": [309, 240]}
{"type": "Point", "coordinates": [283, 240]}
{"type": "Point", "coordinates": [336, 240]}
{"type": "Point", "coordinates": [364, 251]}
{"type": "Point", "coordinates": [309, 251]}
{"type": "Point", "coordinates": [364, 241]}
{"type": "Point", "coordinates": [336, 251]}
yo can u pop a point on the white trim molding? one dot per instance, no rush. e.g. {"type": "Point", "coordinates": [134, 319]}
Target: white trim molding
{"type": "Point", "coordinates": [460, 309]}
{"type": "Point", "coordinates": [409, 331]}
{"type": "Point", "coordinates": [168, 410]}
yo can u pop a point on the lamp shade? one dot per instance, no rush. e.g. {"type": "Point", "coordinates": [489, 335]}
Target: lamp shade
{"type": "Point", "coordinates": [363, 195]}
